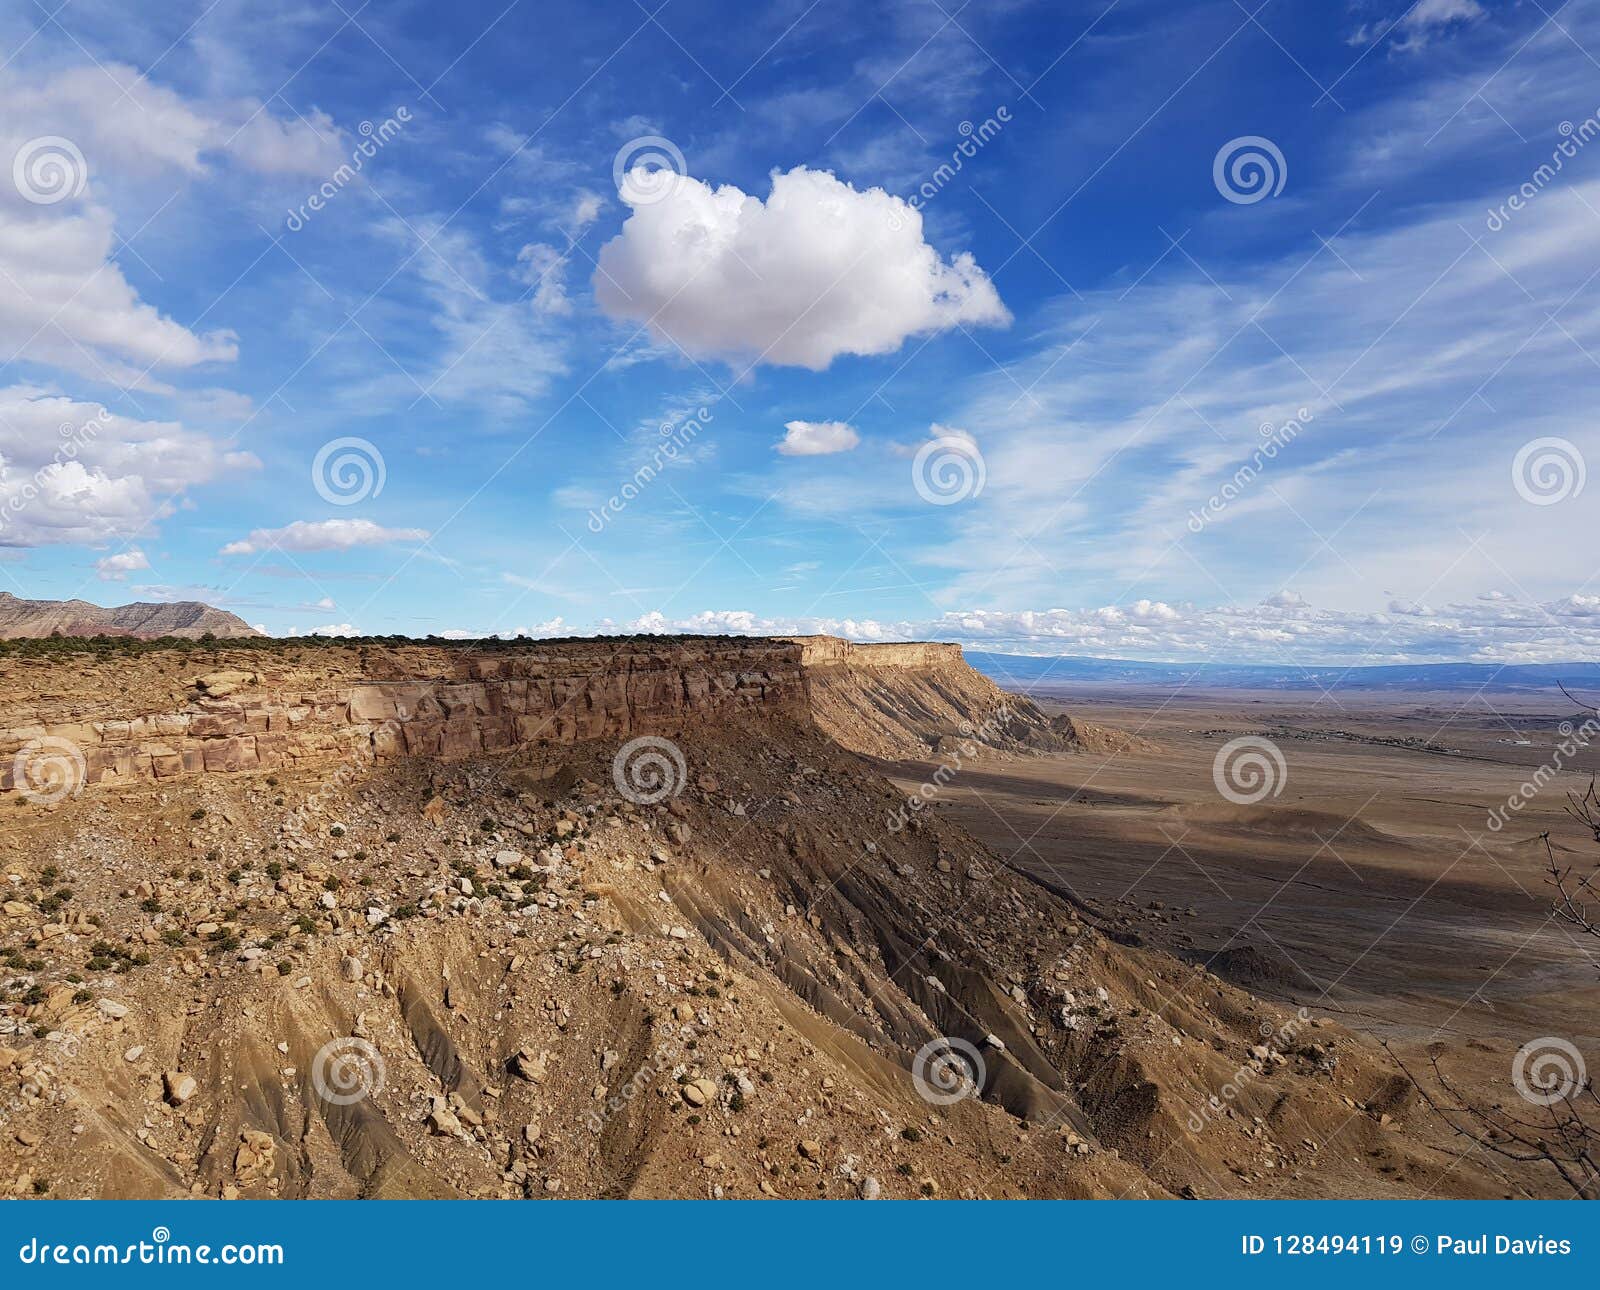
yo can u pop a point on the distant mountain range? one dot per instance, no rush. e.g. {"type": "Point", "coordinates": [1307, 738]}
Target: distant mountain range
{"type": "Point", "coordinates": [20, 619]}
{"type": "Point", "coordinates": [1021, 671]}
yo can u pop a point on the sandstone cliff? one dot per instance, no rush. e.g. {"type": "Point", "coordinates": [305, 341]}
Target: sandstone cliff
{"type": "Point", "coordinates": [257, 709]}
{"type": "Point", "coordinates": [172, 714]}
{"type": "Point", "coordinates": [915, 699]}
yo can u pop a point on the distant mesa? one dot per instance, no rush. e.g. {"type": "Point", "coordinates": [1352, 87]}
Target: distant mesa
{"type": "Point", "coordinates": [28, 619]}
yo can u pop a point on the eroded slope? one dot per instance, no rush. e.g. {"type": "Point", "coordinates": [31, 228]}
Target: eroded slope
{"type": "Point", "coordinates": [517, 974]}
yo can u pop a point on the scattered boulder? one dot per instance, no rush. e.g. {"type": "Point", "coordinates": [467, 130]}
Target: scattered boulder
{"type": "Point", "coordinates": [700, 1092]}
{"type": "Point", "coordinates": [179, 1086]}
{"type": "Point", "coordinates": [530, 1066]}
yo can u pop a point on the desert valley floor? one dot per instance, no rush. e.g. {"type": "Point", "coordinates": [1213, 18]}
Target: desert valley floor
{"type": "Point", "coordinates": [1369, 887]}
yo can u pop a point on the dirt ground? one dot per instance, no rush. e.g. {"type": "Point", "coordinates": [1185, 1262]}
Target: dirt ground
{"type": "Point", "coordinates": [1370, 886]}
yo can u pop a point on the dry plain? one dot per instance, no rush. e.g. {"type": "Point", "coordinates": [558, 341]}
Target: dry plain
{"type": "Point", "coordinates": [1369, 887]}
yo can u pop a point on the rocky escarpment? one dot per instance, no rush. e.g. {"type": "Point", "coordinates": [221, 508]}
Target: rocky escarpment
{"type": "Point", "coordinates": [918, 699]}
{"type": "Point", "coordinates": [258, 709]}
{"type": "Point", "coordinates": [185, 619]}
{"type": "Point", "coordinates": [403, 702]}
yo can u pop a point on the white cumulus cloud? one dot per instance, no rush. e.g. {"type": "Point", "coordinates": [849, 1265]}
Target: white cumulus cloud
{"type": "Point", "coordinates": [816, 270]}
{"type": "Point", "coordinates": [116, 568]}
{"type": "Point", "coordinates": [73, 472]}
{"type": "Point", "coordinates": [816, 438]}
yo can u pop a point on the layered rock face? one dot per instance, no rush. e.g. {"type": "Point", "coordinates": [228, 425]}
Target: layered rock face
{"type": "Point", "coordinates": [482, 702]}
{"type": "Point", "coordinates": [918, 700]}
{"type": "Point", "coordinates": [829, 651]}
{"type": "Point", "coordinates": [266, 710]}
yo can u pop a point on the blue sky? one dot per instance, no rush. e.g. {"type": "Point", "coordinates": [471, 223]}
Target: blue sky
{"type": "Point", "coordinates": [1231, 330]}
